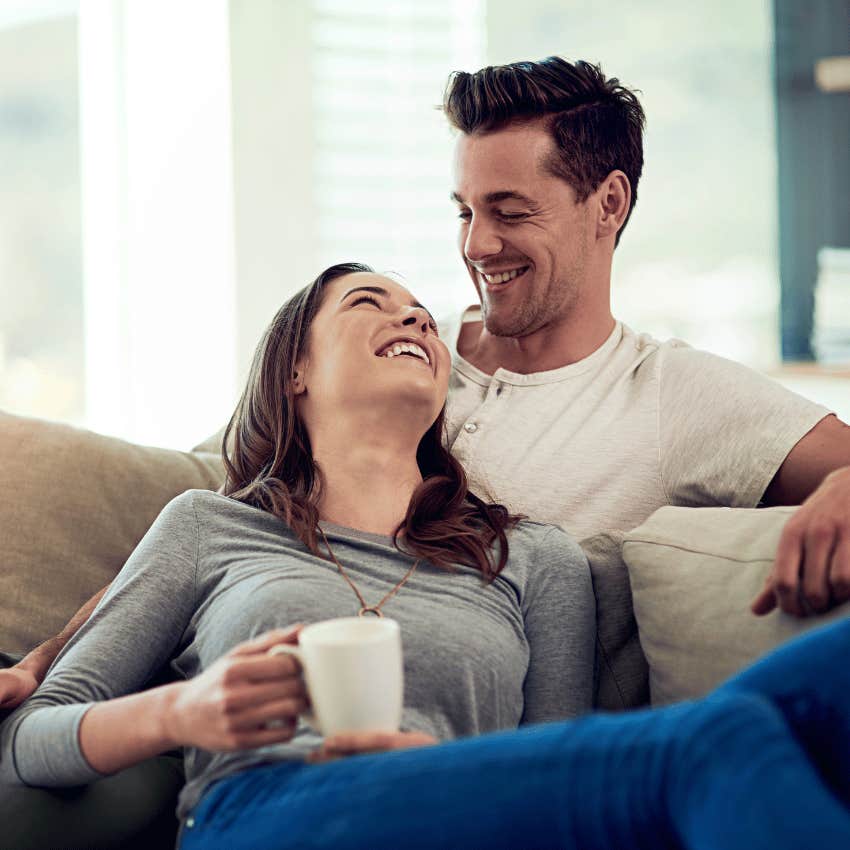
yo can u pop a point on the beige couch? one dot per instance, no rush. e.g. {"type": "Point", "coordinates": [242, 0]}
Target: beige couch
{"type": "Point", "coordinates": [74, 504]}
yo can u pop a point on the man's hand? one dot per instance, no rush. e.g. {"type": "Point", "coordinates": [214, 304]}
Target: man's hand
{"type": "Point", "coordinates": [358, 743]}
{"type": "Point", "coordinates": [811, 572]}
{"type": "Point", "coordinates": [16, 685]}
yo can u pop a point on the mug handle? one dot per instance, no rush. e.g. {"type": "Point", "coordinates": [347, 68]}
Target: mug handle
{"type": "Point", "coordinates": [288, 649]}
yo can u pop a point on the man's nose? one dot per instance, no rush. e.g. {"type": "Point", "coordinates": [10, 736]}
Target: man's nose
{"type": "Point", "coordinates": [481, 241]}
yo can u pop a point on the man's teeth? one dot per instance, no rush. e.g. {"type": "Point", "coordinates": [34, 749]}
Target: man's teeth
{"type": "Point", "coordinates": [406, 348]}
{"type": "Point", "coordinates": [503, 277]}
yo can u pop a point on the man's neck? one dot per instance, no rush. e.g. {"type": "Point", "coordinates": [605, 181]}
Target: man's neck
{"type": "Point", "coordinates": [549, 348]}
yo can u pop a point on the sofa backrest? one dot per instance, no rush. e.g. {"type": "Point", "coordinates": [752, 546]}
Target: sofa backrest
{"type": "Point", "coordinates": [73, 506]}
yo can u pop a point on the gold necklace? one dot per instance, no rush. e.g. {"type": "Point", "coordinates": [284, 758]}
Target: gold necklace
{"type": "Point", "coordinates": [367, 609]}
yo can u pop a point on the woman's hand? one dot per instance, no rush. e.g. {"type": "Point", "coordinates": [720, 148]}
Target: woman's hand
{"type": "Point", "coordinates": [358, 743]}
{"type": "Point", "coordinates": [16, 685]}
{"type": "Point", "coordinates": [228, 706]}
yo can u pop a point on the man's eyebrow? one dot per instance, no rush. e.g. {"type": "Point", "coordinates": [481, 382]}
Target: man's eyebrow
{"type": "Point", "coordinates": [379, 290]}
{"type": "Point", "coordinates": [503, 195]}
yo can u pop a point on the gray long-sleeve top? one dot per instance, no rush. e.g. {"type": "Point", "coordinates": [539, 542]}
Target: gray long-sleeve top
{"type": "Point", "coordinates": [211, 573]}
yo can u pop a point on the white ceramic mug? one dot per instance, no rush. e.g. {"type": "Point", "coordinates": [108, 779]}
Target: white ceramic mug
{"type": "Point", "coordinates": [354, 674]}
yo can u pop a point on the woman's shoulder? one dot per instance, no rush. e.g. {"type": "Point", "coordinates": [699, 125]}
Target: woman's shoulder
{"type": "Point", "coordinates": [210, 505]}
{"type": "Point", "coordinates": [544, 537]}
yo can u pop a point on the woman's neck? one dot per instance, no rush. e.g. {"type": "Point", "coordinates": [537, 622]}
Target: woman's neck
{"type": "Point", "coordinates": [366, 486]}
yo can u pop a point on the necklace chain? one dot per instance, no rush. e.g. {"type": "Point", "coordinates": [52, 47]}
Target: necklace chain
{"type": "Point", "coordinates": [367, 609]}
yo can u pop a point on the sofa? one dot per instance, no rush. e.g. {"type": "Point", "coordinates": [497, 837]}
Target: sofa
{"type": "Point", "coordinates": [672, 603]}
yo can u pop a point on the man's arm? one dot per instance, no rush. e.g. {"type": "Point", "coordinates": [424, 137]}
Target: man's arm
{"type": "Point", "coordinates": [812, 566]}
{"type": "Point", "coordinates": [19, 682]}
{"type": "Point", "coordinates": [823, 450]}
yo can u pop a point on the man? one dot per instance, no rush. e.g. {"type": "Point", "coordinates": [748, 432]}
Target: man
{"type": "Point", "coordinates": [558, 410]}
{"type": "Point", "coordinates": [561, 412]}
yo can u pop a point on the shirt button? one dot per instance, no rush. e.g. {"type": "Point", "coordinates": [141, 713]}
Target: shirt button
{"type": "Point", "coordinates": [470, 427]}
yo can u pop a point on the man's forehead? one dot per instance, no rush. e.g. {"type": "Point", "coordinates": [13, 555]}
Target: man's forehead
{"type": "Point", "coordinates": [489, 167]}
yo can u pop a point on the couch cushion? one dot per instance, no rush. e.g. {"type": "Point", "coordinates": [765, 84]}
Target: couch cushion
{"type": "Point", "coordinates": [623, 680]}
{"type": "Point", "coordinates": [694, 572]}
{"type": "Point", "coordinates": [73, 505]}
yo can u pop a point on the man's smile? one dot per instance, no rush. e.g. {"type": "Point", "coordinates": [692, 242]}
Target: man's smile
{"type": "Point", "coordinates": [497, 281]}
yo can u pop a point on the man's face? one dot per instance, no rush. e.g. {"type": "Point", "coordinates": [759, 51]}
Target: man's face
{"type": "Point", "coordinates": [517, 221]}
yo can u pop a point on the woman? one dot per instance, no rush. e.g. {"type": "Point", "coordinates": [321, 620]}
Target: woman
{"type": "Point", "coordinates": [339, 496]}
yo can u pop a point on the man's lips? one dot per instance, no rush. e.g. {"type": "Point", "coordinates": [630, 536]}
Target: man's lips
{"type": "Point", "coordinates": [497, 282]}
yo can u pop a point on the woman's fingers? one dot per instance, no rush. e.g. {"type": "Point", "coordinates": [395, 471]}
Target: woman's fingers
{"type": "Point", "coordinates": [264, 642]}
{"type": "Point", "coordinates": [282, 709]}
{"type": "Point", "coordinates": [354, 743]}
{"type": "Point", "coordinates": [260, 668]}
{"type": "Point", "coordinates": [253, 695]}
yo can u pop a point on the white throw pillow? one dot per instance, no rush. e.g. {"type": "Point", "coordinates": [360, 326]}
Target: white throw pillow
{"type": "Point", "coordinates": [694, 573]}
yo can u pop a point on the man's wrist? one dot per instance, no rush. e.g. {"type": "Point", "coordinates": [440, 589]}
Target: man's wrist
{"type": "Point", "coordinates": [38, 661]}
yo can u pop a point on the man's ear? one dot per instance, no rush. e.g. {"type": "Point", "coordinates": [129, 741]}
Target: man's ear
{"type": "Point", "coordinates": [615, 198]}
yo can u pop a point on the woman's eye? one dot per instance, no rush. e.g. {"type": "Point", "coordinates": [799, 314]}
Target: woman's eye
{"type": "Point", "coordinates": [368, 298]}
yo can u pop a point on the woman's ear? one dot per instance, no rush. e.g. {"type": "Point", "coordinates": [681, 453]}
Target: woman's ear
{"type": "Point", "coordinates": [298, 384]}
{"type": "Point", "coordinates": [615, 199]}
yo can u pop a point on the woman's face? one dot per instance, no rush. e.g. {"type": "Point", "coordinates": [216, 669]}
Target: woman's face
{"type": "Point", "coordinates": [355, 358]}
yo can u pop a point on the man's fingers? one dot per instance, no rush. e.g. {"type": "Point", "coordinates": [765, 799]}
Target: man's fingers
{"type": "Point", "coordinates": [819, 543]}
{"type": "Point", "coordinates": [765, 602]}
{"type": "Point", "coordinates": [839, 570]}
{"type": "Point", "coordinates": [786, 570]}
{"type": "Point", "coordinates": [264, 642]}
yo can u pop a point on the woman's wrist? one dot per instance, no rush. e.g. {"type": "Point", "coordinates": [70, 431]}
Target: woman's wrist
{"type": "Point", "coordinates": [167, 729]}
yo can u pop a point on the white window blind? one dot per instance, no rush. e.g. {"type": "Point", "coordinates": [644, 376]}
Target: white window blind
{"type": "Point", "coordinates": [383, 150]}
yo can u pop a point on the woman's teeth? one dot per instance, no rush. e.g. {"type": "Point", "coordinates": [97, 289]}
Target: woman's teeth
{"type": "Point", "coordinates": [503, 277]}
{"type": "Point", "coordinates": [407, 348]}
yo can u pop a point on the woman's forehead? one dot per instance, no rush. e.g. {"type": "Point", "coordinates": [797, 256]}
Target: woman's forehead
{"type": "Point", "coordinates": [355, 280]}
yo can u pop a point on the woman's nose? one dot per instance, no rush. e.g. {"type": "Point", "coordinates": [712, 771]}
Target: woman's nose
{"type": "Point", "coordinates": [417, 317]}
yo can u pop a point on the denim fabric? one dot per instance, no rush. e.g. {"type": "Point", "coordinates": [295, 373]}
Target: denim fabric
{"type": "Point", "coordinates": [732, 771]}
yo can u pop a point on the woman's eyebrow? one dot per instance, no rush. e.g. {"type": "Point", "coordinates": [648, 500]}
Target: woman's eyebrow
{"type": "Point", "coordinates": [379, 290]}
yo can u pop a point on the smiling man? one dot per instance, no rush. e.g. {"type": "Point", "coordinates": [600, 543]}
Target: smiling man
{"type": "Point", "coordinates": [562, 412]}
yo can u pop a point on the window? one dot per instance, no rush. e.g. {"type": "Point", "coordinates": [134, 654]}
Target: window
{"type": "Point", "coordinates": [41, 289]}
{"type": "Point", "coordinates": [698, 259]}
{"type": "Point", "coordinates": [382, 150]}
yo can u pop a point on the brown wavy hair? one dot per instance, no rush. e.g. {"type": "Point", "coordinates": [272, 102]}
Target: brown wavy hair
{"type": "Point", "coordinates": [269, 462]}
{"type": "Point", "coordinates": [596, 123]}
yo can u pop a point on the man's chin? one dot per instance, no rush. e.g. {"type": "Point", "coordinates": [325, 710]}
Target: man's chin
{"type": "Point", "coordinates": [504, 323]}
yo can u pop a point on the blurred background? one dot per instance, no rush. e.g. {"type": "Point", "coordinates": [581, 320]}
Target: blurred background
{"type": "Point", "coordinates": [171, 171]}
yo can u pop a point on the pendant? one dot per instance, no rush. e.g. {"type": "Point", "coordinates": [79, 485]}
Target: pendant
{"type": "Point", "coordinates": [367, 610]}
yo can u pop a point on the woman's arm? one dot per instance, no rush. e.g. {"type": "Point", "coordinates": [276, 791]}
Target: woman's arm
{"type": "Point", "coordinates": [559, 610]}
{"type": "Point", "coordinates": [226, 707]}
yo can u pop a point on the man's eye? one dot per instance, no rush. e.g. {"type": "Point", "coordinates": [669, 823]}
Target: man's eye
{"type": "Point", "coordinates": [513, 216]}
{"type": "Point", "coordinates": [368, 298]}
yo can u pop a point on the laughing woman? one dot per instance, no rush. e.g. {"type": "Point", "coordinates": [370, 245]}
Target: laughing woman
{"type": "Point", "coordinates": [340, 496]}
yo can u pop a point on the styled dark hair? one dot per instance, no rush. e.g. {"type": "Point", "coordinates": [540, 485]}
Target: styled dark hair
{"type": "Point", "coordinates": [269, 462]}
{"type": "Point", "coordinates": [596, 123]}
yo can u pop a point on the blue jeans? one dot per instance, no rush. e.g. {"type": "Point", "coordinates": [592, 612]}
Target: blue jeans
{"type": "Point", "coordinates": [763, 762]}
